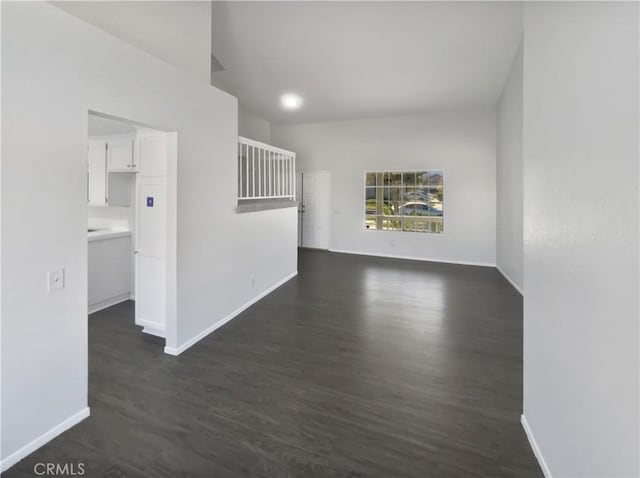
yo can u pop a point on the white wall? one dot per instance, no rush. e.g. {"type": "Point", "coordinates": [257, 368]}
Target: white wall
{"type": "Point", "coordinates": [460, 143]}
{"type": "Point", "coordinates": [581, 326]}
{"type": "Point", "coordinates": [250, 126]}
{"type": "Point", "coordinates": [509, 179]}
{"type": "Point", "coordinates": [44, 209]}
{"type": "Point", "coordinates": [178, 32]}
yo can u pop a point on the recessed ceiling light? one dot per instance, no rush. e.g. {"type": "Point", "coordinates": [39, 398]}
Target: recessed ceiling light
{"type": "Point", "coordinates": [290, 101]}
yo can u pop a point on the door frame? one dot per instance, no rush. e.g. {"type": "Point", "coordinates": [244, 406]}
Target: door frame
{"type": "Point", "coordinates": [326, 172]}
{"type": "Point", "coordinates": [171, 251]}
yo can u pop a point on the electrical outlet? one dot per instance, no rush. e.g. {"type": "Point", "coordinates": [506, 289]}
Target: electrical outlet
{"type": "Point", "coordinates": [55, 279]}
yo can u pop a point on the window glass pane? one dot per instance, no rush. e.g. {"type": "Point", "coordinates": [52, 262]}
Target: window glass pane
{"type": "Point", "coordinates": [421, 224]}
{"type": "Point", "coordinates": [371, 179]}
{"type": "Point", "coordinates": [422, 178]}
{"type": "Point", "coordinates": [370, 193]}
{"type": "Point", "coordinates": [411, 194]}
{"type": "Point", "coordinates": [395, 208]}
{"type": "Point", "coordinates": [436, 191]}
{"type": "Point", "coordinates": [394, 194]}
{"type": "Point", "coordinates": [422, 208]}
{"type": "Point", "coordinates": [370, 222]}
{"type": "Point", "coordinates": [421, 193]}
{"type": "Point", "coordinates": [393, 179]}
{"type": "Point", "coordinates": [409, 208]}
{"type": "Point", "coordinates": [406, 223]}
{"type": "Point", "coordinates": [384, 194]}
{"type": "Point", "coordinates": [395, 201]}
{"type": "Point", "coordinates": [415, 223]}
{"type": "Point", "coordinates": [435, 177]}
{"type": "Point", "coordinates": [385, 208]}
{"type": "Point", "coordinates": [370, 206]}
{"type": "Point", "coordinates": [409, 179]}
{"type": "Point", "coordinates": [392, 224]}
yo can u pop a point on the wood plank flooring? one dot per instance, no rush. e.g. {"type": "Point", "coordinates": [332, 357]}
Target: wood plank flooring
{"type": "Point", "coordinates": [359, 367]}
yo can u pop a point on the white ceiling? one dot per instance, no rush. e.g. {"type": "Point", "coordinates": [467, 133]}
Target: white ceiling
{"type": "Point", "coordinates": [178, 32]}
{"type": "Point", "coordinates": [364, 59]}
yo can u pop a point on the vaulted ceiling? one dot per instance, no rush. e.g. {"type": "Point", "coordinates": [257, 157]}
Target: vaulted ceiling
{"type": "Point", "coordinates": [364, 59]}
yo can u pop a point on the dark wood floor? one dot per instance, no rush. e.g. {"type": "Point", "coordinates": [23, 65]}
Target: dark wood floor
{"type": "Point", "coordinates": [359, 367]}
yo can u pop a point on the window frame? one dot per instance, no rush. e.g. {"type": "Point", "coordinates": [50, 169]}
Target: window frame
{"type": "Point", "coordinates": [402, 187]}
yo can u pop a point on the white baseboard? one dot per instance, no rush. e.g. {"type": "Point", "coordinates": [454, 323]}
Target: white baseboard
{"type": "Point", "coordinates": [534, 447]}
{"type": "Point", "coordinates": [43, 439]}
{"type": "Point", "coordinates": [150, 328]}
{"type": "Point", "coordinates": [511, 281]}
{"type": "Point", "coordinates": [410, 258]}
{"type": "Point", "coordinates": [108, 303]}
{"type": "Point", "coordinates": [153, 331]}
{"type": "Point", "coordinates": [178, 350]}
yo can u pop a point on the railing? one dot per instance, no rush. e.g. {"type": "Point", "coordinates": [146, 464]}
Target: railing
{"type": "Point", "coordinates": [264, 171]}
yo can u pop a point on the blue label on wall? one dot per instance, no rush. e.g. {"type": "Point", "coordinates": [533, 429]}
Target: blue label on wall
{"type": "Point", "coordinates": [150, 202]}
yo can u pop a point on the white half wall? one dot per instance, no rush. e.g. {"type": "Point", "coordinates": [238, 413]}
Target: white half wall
{"type": "Point", "coordinates": [509, 177]}
{"type": "Point", "coordinates": [252, 127]}
{"type": "Point", "coordinates": [55, 68]}
{"type": "Point", "coordinates": [581, 236]}
{"type": "Point", "coordinates": [463, 144]}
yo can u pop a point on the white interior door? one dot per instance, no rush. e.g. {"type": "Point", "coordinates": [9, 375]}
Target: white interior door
{"type": "Point", "coordinates": [315, 209]}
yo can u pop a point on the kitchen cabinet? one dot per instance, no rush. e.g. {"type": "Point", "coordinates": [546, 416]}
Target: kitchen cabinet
{"type": "Point", "coordinates": [120, 155]}
{"type": "Point", "coordinates": [109, 276]}
{"type": "Point", "coordinates": [104, 186]}
{"type": "Point", "coordinates": [150, 261]}
{"type": "Point", "coordinates": [152, 154]}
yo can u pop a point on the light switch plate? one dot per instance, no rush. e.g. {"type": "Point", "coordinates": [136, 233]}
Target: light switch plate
{"type": "Point", "coordinates": [55, 279]}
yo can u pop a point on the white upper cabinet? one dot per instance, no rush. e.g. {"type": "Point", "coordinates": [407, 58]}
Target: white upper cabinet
{"type": "Point", "coordinates": [152, 154]}
{"type": "Point", "coordinates": [106, 185]}
{"type": "Point", "coordinates": [120, 155]}
{"type": "Point", "coordinates": [97, 183]}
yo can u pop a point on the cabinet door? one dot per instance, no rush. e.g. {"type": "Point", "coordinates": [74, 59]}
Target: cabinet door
{"type": "Point", "coordinates": [150, 255]}
{"type": "Point", "coordinates": [152, 155]}
{"type": "Point", "coordinates": [120, 154]}
{"type": "Point", "coordinates": [109, 270]}
{"type": "Point", "coordinates": [97, 173]}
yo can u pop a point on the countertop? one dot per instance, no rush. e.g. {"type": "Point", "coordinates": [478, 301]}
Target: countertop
{"type": "Point", "coordinates": [102, 234]}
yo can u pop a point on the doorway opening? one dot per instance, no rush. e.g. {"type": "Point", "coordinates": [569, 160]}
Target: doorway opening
{"type": "Point", "coordinates": [131, 220]}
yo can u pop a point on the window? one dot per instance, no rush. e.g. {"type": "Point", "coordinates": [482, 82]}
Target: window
{"type": "Point", "coordinates": [404, 201]}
